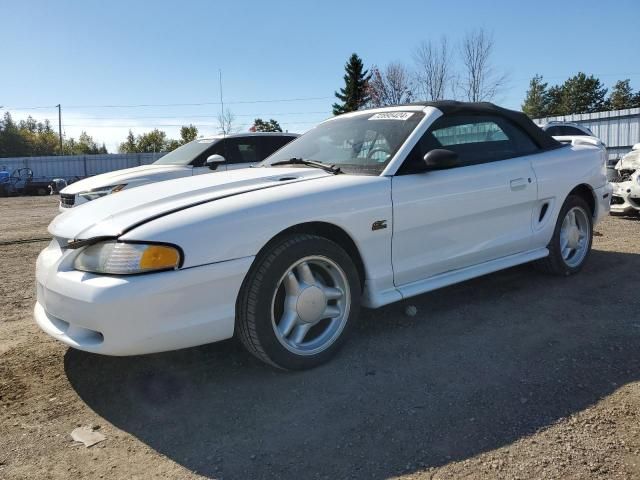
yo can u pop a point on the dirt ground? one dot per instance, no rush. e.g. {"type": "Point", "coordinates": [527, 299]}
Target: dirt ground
{"type": "Point", "coordinates": [514, 375]}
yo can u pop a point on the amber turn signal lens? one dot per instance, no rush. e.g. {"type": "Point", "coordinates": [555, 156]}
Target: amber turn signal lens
{"type": "Point", "coordinates": [156, 257]}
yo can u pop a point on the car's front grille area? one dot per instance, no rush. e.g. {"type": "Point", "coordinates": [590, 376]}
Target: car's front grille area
{"type": "Point", "coordinates": [67, 200]}
{"type": "Point", "coordinates": [615, 200]}
{"type": "Point", "coordinates": [620, 176]}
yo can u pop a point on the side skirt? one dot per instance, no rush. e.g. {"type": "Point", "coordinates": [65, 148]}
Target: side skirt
{"type": "Point", "coordinates": [378, 299]}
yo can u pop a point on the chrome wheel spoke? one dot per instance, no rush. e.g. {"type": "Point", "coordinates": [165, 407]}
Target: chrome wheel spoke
{"type": "Point", "coordinates": [297, 337]}
{"type": "Point", "coordinates": [291, 284]}
{"type": "Point", "coordinates": [289, 320]}
{"type": "Point", "coordinates": [332, 293]}
{"type": "Point", "coordinates": [331, 312]}
{"type": "Point", "coordinates": [564, 243]}
{"type": "Point", "coordinates": [305, 274]}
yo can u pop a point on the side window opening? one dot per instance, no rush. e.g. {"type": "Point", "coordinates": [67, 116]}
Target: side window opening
{"type": "Point", "coordinates": [239, 150]}
{"type": "Point", "coordinates": [475, 138]}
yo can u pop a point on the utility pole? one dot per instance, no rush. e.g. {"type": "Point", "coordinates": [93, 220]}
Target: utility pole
{"type": "Point", "coordinates": [60, 126]}
{"type": "Point", "coordinates": [224, 127]}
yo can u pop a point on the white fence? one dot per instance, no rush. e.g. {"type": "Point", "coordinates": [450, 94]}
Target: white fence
{"type": "Point", "coordinates": [618, 129]}
{"type": "Point", "coordinates": [71, 166]}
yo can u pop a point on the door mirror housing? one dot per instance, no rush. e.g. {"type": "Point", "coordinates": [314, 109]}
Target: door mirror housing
{"type": "Point", "coordinates": [214, 160]}
{"type": "Point", "coordinates": [440, 159]}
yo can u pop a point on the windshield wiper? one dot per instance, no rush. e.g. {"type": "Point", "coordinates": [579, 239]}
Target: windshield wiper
{"type": "Point", "coordinates": [310, 163]}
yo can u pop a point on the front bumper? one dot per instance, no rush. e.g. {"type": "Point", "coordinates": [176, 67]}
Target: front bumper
{"type": "Point", "coordinates": [136, 314]}
{"type": "Point", "coordinates": [626, 197]}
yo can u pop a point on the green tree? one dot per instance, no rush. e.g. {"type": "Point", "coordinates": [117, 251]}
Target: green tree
{"type": "Point", "coordinates": [621, 96]}
{"type": "Point", "coordinates": [354, 95]}
{"type": "Point", "coordinates": [172, 145]}
{"type": "Point", "coordinates": [537, 102]}
{"type": "Point", "coordinates": [555, 101]}
{"type": "Point", "coordinates": [260, 125]}
{"type": "Point", "coordinates": [85, 145]}
{"type": "Point", "coordinates": [188, 133]}
{"type": "Point", "coordinates": [582, 94]}
{"type": "Point", "coordinates": [153, 141]}
{"type": "Point", "coordinates": [129, 145]}
{"type": "Point", "coordinates": [47, 141]}
{"type": "Point", "coordinates": [12, 142]}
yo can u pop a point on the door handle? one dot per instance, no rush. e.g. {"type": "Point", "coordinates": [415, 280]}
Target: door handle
{"type": "Point", "coordinates": [518, 183]}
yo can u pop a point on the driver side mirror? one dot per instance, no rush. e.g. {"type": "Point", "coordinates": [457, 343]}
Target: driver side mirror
{"type": "Point", "coordinates": [213, 161]}
{"type": "Point", "coordinates": [440, 159]}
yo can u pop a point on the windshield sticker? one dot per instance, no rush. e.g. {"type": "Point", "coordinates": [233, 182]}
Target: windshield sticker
{"type": "Point", "coordinates": [206, 140]}
{"type": "Point", "coordinates": [392, 116]}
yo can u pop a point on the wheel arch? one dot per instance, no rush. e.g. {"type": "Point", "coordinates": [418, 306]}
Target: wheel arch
{"type": "Point", "coordinates": [585, 192]}
{"type": "Point", "coordinates": [326, 230]}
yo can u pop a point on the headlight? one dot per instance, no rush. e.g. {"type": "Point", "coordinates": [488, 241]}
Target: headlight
{"type": "Point", "coordinates": [101, 191]}
{"type": "Point", "coordinates": [120, 258]}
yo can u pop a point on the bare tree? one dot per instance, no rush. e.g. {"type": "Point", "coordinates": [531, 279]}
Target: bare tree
{"type": "Point", "coordinates": [433, 69]}
{"type": "Point", "coordinates": [226, 122]}
{"type": "Point", "coordinates": [391, 86]}
{"type": "Point", "coordinates": [479, 81]}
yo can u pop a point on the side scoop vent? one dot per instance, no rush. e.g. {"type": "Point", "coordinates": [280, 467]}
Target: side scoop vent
{"type": "Point", "coordinates": [543, 211]}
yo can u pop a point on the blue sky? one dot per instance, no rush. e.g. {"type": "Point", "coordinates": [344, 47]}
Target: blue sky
{"type": "Point", "coordinates": [86, 54]}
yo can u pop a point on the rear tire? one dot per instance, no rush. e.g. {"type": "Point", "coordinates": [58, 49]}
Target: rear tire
{"type": "Point", "coordinates": [570, 245]}
{"type": "Point", "coordinates": [299, 302]}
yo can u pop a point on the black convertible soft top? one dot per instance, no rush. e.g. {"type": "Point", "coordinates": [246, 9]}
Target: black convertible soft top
{"type": "Point", "coordinates": [451, 107]}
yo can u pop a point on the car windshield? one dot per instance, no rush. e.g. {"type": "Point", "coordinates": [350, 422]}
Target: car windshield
{"type": "Point", "coordinates": [187, 153]}
{"type": "Point", "coordinates": [360, 143]}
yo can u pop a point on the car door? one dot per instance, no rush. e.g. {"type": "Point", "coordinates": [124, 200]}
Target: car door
{"type": "Point", "coordinates": [446, 220]}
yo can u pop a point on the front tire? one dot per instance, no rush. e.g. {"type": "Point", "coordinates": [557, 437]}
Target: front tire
{"type": "Point", "coordinates": [299, 302]}
{"type": "Point", "coordinates": [570, 245]}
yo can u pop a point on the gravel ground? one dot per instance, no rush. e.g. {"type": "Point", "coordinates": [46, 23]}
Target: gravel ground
{"type": "Point", "coordinates": [513, 375]}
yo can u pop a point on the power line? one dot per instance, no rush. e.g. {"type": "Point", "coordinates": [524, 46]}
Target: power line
{"type": "Point", "coordinates": [195, 104]}
{"type": "Point", "coordinates": [187, 115]}
{"type": "Point", "coordinates": [170, 125]}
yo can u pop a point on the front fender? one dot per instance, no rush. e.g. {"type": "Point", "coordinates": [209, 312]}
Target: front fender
{"type": "Point", "coordinates": [239, 226]}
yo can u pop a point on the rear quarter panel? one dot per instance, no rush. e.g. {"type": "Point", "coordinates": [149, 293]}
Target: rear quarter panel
{"type": "Point", "coordinates": [557, 173]}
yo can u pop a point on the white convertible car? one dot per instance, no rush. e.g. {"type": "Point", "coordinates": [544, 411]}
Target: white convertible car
{"type": "Point", "coordinates": [367, 208]}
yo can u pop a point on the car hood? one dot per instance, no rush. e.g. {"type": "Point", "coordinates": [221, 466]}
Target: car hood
{"type": "Point", "coordinates": [112, 215]}
{"type": "Point", "coordinates": [139, 175]}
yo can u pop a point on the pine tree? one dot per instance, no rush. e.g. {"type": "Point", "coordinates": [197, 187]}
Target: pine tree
{"type": "Point", "coordinates": [354, 95]}
{"type": "Point", "coordinates": [554, 105]}
{"type": "Point", "coordinates": [621, 96]}
{"type": "Point", "coordinates": [130, 145]}
{"type": "Point", "coordinates": [536, 103]}
{"type": "Point", "coordinates": [582, 94]}
{"type": "Point", "coordinates": [260, 125]}
{"type": "Point", "coordinates": [188, 133]}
